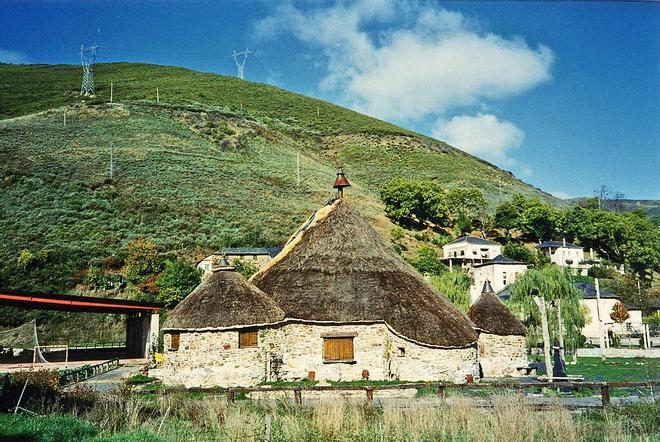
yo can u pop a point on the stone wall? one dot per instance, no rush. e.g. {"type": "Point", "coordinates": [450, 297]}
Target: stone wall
{"type": "Point", "coordinates": [292, 350]}
{"type": "Point", "coordinates": [501, 355]}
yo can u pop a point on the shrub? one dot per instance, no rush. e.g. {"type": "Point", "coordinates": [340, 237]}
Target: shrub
{"type": "Point", "coordinates": [142, 259]}
{"type": "Point", "coordinates": [176, 282]}
{"type": "Point", "coordinates": [397, 234]}
{"type": "Point", "coordinates": [518, 252]}
{"type": "Point", "coordinates": [428, 262]}
{"type": "Point", "coordinates": [245, 268]}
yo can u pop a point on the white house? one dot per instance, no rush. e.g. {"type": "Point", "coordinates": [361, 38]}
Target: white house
{"type": "Point", "coordinates": [565, 254]}
{"type": "Point", "coordinates": [500, 271]}
{"type": "Point", "coordinates": [260, 256]}
{"type": "Point", "coordinates": [603, 310]}
{"type": "Point", "coordinates": [470, 250]}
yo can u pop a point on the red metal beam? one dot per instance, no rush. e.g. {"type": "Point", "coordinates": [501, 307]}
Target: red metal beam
{"type": "Point", "coordinates": [45, 301]}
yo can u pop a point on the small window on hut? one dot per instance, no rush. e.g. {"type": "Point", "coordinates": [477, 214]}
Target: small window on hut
{"type": "Point", "coordinates": [247, 339]}
{"type": "Point", "coordinates": [174, 341]}
{"type": "Point", "coordinates": [338, 348]}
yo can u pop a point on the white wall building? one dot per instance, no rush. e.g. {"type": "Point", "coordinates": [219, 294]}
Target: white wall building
{"type": "Point", "coordinates": [500, 271]}
{"type": "Point", "coordinates": [470, 250]}
{"type": "Point", "coordinates": [565, 254]}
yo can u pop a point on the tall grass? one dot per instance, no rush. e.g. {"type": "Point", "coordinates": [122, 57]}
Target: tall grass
{"type": "Point", "coordinates": [460, 418]}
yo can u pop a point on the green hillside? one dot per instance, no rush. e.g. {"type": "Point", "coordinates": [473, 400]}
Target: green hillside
{"type": "Point", "coordinates": [212, 164]}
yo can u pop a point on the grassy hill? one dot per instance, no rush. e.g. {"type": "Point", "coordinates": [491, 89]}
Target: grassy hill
{"type": "Point", "coordinates": [212, 164]}
{"type": "Point", "coordinates": [650, 207]}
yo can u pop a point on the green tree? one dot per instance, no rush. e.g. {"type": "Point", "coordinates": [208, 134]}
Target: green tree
{"type": "Point", "coordinates": [507, 216]}
{"type": "Point", "coordinates": [465, 202]}
{"type": "Point", "coordinates": [402, 199]}
{"type": "Point", "coordinates": [176, 281]}
{"type": "Point", "coordinates": [518, 252]}
{"type": "Point", "coordinates": [245, 268]}
{"type": "Point", "coordinates": [141, 260]}
{"type": "Point", "coordinates": [428, 262]}
{"type": "Point", "coordinates": [455, 285]}
{"type": "Point", "coordinates": [555, 285]}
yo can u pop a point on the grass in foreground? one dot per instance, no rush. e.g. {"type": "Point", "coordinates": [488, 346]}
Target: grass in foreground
{"type": "Point", "coordinates": [511, 418]}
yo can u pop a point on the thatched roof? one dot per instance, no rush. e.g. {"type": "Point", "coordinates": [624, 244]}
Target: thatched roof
{"type": "Point", "coordinates": [225, 299]}
{"type": "Point", "coordinates": [491, 315]}
{"type": "Point", "coordinates": [336, 268]}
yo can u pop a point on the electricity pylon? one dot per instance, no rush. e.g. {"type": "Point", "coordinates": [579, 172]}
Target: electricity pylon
{"type": "Point", "coordinates": [240, 65]}
{"type": "Point", "coordinates": [88, 58]}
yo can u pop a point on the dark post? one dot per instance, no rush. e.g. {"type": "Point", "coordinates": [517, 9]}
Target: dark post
{"type": "Point", "coordinates": [298, 397]}
{"type": "Point", "coordinates": [370, 395]}
{"type": "Point", "coordinates": [441, 391]}
{"type": "Point", "coordinates": [605, 394]}
{"type": "Point", "coordinates": [231, 396]}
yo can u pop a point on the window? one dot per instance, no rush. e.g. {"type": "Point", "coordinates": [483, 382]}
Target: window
{"type": "Point", "coordinates": [462, 252]}
{"type": "Point", "coordinates": [402, 352]}
{"type": "Point", "coordinates": [338, 349]}
{"type": "Point", "coordinates": [474, 252]}
{"type": "Point", "coordinates": [247, 339]}
{"type": "Point", "coordinates": [174, 341]}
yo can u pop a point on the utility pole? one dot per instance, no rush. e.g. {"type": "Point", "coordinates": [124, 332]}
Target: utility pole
{"type": "Point", "coordinates": [157, 95]}
{"type": "Point", "coordinates": [112, 161]}
{"type": "Point", "coordinates": [240, 65]}
{"type": "Point", "coordinates": [298, 167]}
{"type": "Point", "coordinates": [64, 117]}
{"type": "Point", "coordinates": [111, 86]}
{"type": "Point", "coordinates": [601, 332]}
{"type": "Point", "coordinates": [500, 190]}
{"type": "Point", "coordinates": [88, 58]}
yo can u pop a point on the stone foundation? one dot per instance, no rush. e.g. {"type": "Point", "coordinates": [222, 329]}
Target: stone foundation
{"type": "Point", "coordinates": [292, 350]}
{"type": "Point", "coordinates": [501, 356]}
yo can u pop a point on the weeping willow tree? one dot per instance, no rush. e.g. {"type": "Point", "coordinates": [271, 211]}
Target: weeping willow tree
{"type": "Point", "coordinates": [456, 286]}
{"type": "Point", "coordinates": [562, 299]}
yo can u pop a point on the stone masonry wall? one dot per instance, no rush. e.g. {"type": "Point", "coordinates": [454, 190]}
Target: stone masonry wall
{"type": "Point", "coordinates": [501, 355]}
{"type": "Point", "coordinates": [291, 351]}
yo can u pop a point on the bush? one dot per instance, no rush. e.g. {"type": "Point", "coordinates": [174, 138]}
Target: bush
{"type": "Point", "coordinates": [397, 234]}
{"type": "Point", "coordinates": [176, 282]}
{"type": "Point", "coordinates": [245, 268]}
{"type": "Point", "coordinates": [601, 272]}
{"type": "Point", "coordinates": [142, 260]}
{"type": "Point", "coordinates": [428, 262]}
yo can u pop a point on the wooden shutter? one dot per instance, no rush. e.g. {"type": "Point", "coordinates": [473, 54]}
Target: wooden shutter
{"type": "Point", "coordinates": [338, 349]}
{"type": "Point", "coordinates": [247, 339]}
{"type": "Point", "coordinates": [174, 341]}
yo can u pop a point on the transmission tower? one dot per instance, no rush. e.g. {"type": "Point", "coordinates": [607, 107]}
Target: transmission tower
{"type": "Point", "coordinates": [88, 58]}
{"type": "Point", "coordinates": [240, 65]}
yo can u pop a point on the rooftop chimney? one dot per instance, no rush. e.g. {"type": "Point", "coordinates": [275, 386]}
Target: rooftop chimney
{"type": "Point", "coordinates": [563, 242]}
{"type": "Point", "coordinates": [224, 265]}
{"type": "Point", "coordinates": [340, 182]}
{"type": "Point", "coordinates": [487, 287]}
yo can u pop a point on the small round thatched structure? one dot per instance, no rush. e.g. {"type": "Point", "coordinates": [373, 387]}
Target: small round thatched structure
{"type": "Point", "coordinates": [225, 299]}
{"type": "Point", "coordinates": [337, 269]}
{"type": "Point", "coordinates": [491, 315]}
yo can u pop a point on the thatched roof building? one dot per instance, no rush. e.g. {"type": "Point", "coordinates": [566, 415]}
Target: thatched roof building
{"type": "Point", "coordinates": [336, 269]}
{"type": "Point", "coordinates": [225, 299]}
{"type": "Point", "coordinates": [491, 315]}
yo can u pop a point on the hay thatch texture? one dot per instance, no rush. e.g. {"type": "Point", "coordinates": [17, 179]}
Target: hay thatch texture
{"type": "Point", "coordinates": [491, 315]}
{"type": "Point", "coordinates": [224, 299]}
{"type": "Point", "coordinates": [338, 269]}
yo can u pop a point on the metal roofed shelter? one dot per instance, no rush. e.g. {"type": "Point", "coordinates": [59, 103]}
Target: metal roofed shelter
{"type": "Point", "coordinates": [142, 318]}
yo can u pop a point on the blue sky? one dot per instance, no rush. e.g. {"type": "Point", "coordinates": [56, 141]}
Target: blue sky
{"type": "Point", "coordinates": [565, 95]}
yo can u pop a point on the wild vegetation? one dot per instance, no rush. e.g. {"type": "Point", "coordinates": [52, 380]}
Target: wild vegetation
{"type": "Point", "coordinates": [85, 415]}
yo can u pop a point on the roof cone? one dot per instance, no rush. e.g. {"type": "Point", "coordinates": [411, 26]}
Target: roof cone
{"type": "Point", "coordinates": [340, 182]}
{"type": "Point", "coordinates": [487, 287]}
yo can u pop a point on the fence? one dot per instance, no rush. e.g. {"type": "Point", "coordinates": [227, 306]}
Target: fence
{"type": "Point", "coordinates": [603, 387]}
{"type": "Point", "coordinates": [89, 371]}
{"type": "Point", "coordinates": [87, 345]}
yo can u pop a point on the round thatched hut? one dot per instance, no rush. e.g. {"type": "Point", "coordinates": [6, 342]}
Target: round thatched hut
{"type": "Point", "coordinates": [502, 349]}
{"type": "Point", "coordinates": [354, 307]}
{"type": "Point", "coordinates": [211, 337]}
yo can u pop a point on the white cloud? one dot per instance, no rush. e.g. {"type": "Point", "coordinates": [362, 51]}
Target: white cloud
{"type": "Point", "coordinates": [562, 195]}
{"type": "Point", "coordinates": [483, 135]}
{"type": "Point", "coordinates": [12, 57]}
{"type": "Point", "coordinates": [397, 60]}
